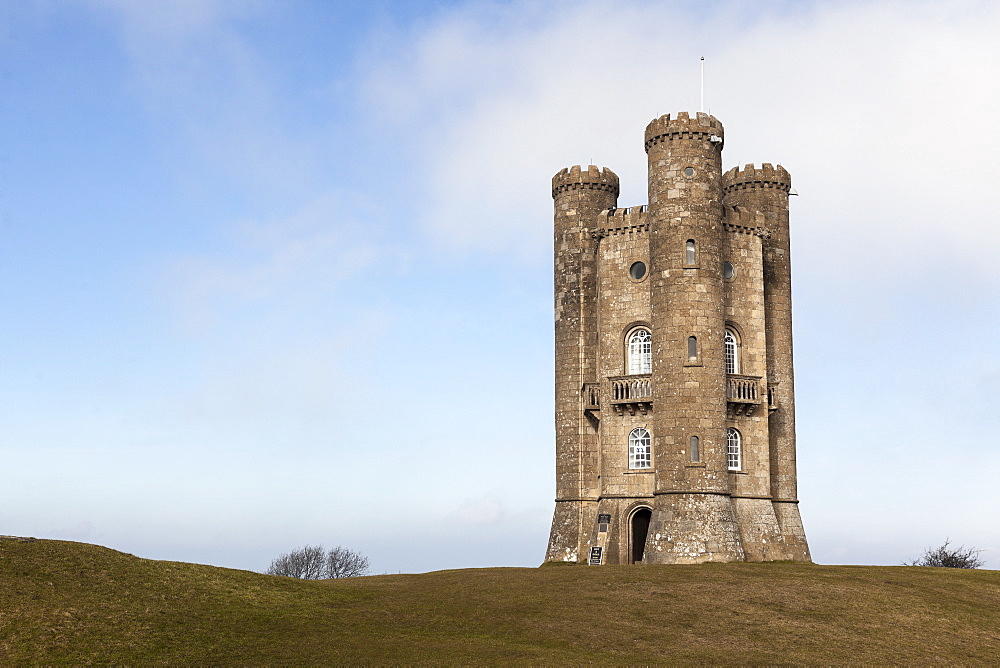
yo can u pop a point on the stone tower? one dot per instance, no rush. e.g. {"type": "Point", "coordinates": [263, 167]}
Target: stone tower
{"type": "Point", "coordinates": [675, 414]}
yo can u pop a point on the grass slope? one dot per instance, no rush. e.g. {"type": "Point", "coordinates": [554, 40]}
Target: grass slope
{"type": "Point", "coordinates": [78, 603]}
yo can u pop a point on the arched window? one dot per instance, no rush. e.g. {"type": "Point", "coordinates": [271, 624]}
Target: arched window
{"type": "Point", "coordinates": [732, 353]}
{"type": "Point", "coordinates": [638, 449]}
{"type": "Point", "coordinates": [734, 449]}
{"type": "Point", "coordinates": [640, 352]}
{"type": "Point", "coordinates": [692, 348]}
{"type": "Point", "coordinates": [695, 455]}
{"type": "Point", "coordinates": [689, 254]}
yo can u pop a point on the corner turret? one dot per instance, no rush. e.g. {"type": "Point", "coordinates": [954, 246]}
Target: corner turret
{"type": "Point", "coordinates": [581, 199]}
{"type": "Point", "coordinates": [593, 178]}
{"type": "Point", "coordinates": [750, 176]}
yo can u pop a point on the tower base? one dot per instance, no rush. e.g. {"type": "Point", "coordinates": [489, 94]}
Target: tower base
{"type": "Point", "coordinates": [569, 536]}
{"type": "Point", "coordinates": [760, 531]}
{"type": "Point", "coordinates": [790, 522]}
{"type": "Point", "coordinates": [692, 529]}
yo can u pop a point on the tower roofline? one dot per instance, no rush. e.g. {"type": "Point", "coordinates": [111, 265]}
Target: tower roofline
{"type": "Point", "coordinates": [751, 176]}
{"type": "Point", "coordinates": [592, 178]}
{"type": "Point", "coordinates": [702, 126]}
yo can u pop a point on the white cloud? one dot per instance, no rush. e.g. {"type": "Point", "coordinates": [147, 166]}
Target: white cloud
{"type": "Point", "coordinates": [885, 114]}
{"type": "Point", "coordinates": [213, 95]}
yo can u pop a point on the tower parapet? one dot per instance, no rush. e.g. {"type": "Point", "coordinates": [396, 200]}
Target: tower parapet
{"type": "Point", "coordinates": [622, 221]}
{"type": "Point", "coordinates": [592, 178]}
{"type": "Point", "coordinates": [750, 176]}
{"type": "Point", "coordinates": [702, 126]}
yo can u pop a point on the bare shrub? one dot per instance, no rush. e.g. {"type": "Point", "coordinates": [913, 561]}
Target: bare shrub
{"type": "Point", "coordinates": [307, 563]}
{"type": "Point", "coordinates": [344, 563]}
{"type": "Point", "coordinates": [312, 562]}
{"type": "Point", "coordinates": [949, 557]}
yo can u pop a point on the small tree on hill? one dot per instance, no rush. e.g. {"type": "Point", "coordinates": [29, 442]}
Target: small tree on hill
{"type": "Point", "coordinates": [344, 563]}
{"type": "Point", "coordinates": [312, 562]}
{"type": "Point", "coordinates": [949, 557]}
{"type": "Point", "coordinates": [307, 563]}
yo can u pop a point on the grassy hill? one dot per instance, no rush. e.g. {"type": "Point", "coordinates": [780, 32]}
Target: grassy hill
{"type": "Point", "coordinates": [77, 603]}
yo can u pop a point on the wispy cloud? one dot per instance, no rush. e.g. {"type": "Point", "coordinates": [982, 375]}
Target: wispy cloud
{"type": "Point", "coordinates": [213, 95]}
{"type": "Point", "coordinates": [860, 101]}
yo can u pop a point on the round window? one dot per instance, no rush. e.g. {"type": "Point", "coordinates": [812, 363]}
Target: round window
{"type": "Point", "coordinates": [728, 270]}
{"type": "Point", "coordinates": [689, 171]}
{"type": "Point", "coordinates": [637, 271]}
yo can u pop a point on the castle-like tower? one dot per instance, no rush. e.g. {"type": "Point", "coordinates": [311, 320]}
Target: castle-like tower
{"type": "Point", "coordinates": [675, 413]}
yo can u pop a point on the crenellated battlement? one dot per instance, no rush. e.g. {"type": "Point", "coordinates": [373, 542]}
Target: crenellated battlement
{"type": "Point", "coordinates": [740, 220]}
{"type": "Point", "coordinates": [592, 178]}
{"type": "Point", "coordinates": [628, 220]}
{"type": "Point", "coordinates": [750, 176]}
{"type": "Point", "coordinates": [665, 128]}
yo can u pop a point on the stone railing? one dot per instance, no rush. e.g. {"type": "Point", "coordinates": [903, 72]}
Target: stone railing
{"type": "Point", "coordinates": [632, 389]}
{"type": "Point", "coordinates": [742, 389]}
{"type": "Point", "coordinates": [591, 396]}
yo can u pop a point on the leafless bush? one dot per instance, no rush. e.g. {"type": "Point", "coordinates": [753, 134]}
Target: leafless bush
{"type": "Point", "coordinates": [307, 562]}
{"type": "Point", "coordinates": [344, 563]}
{"type": "Point", "coordinates": [949, 557]}
{"type": "Point", "coordinates": [312, 562]}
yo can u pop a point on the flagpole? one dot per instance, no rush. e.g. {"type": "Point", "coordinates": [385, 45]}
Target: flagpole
{"type": "Point", "coordinates": [702, 107]}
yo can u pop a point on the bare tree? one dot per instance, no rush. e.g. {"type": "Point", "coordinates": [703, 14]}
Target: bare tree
{"type": "Point", "coordinates": [344, 563]}
{"type": "Point", "coordinates": [949, 557]}
{"type": "Point", "coordinates": [312, 562]}
{"type": "Point", "coordinates": [307, 563]}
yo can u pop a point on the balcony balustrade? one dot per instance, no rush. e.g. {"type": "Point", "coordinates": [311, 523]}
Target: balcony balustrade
{"type": "Point", "coordinates": [743, 393]}
{"type": "Point", "coordinates": [631, 393]}
{"type": "Point", "coordinates": [635, 393]}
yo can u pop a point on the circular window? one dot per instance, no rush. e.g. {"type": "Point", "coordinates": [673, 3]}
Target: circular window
{"type": "Point", "coordinates": [637, 271]}
{"type": "Point", "coordinates": [728, 270]}
{"type": "Point", "coordinates": [689, 171]}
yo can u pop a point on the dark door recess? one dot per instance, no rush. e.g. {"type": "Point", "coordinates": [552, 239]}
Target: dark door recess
{"type": "Point", "coordinates": [640, 527]}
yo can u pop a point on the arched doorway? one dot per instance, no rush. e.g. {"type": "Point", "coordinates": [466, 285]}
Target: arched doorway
{"type": "Point", "coordinates": [639, 527]}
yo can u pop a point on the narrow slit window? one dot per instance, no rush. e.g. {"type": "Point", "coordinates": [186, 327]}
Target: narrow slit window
{"type": "Point", "coordinates": [639, 449]}
{"type": "Point", "coordinates": [692, 347]}
{"type": "Point", "coordinates": [689, 254]}
{"type": "Point", "coordinates": [695, 454]}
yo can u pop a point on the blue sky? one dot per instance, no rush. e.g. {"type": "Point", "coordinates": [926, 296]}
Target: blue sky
{"type": "Point", "coordinates": [279, 273]}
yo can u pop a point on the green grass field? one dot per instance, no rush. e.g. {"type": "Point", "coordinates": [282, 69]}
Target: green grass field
{"type": "Point", "coordinates": [75, 603]}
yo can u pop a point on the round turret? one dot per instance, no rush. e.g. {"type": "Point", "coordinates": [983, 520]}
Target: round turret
{"type": "Point", "coordinates": [750, 176]}
{"type": "Point", "coordinates": [684, 156]}
{"type": "Point", "coordinates": [702, 126]}
{"type": "Point", "coordinates": [593, 178]}
{"type": "Point", "coordinates": [686, 248]}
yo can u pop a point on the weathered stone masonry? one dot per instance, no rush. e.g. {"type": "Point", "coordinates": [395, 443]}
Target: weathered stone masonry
{"type": "Point", "coordinates": [675, 424]}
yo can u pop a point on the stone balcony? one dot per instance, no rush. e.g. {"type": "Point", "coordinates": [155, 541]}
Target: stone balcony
{"type": "Point", "coordinates": [743, 394]}
{"type": "Point", "coordinates": [631, 393]}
